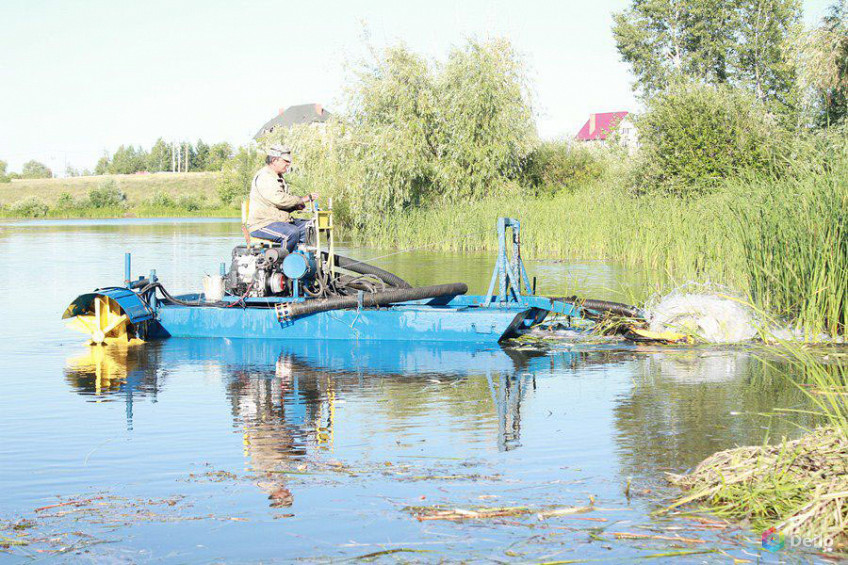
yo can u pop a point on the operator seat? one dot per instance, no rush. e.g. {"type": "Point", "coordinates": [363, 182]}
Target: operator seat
{"type": "Point", "coordinates": [250, 239]}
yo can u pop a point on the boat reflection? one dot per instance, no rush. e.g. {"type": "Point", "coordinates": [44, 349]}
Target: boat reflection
{"type": "Point", "coordinates": [284, 396]}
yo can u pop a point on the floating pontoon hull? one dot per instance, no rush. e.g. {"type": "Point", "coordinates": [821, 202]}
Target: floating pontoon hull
{"type": "Point", "coordinates": [461, 322]}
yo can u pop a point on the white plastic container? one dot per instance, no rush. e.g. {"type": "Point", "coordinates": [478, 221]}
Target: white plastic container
{"type": "Point", "coordinates": [213, 288]}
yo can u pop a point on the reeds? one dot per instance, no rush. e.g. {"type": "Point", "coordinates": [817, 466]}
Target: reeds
{"type": "Point", "coordinates": [785, 244]}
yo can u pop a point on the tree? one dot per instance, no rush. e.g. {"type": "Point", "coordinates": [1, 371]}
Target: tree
{"type": "Point", "coordinates": [35, 170]}
{"type": "Point", "coordinates": [825, 65]}
{"type": "Point", "coordinates": [200, 156]}
{"type": "Point", "coordinates": [485, 123]}
{"type": "Point", "coordinates": [744, 43]}
{"type": "Point", "coordinates": [70, 171]}
{"type": "Point", "coordinates": [159, 158]}
{"type": "Point", "coordinates": [3, 177]}
{"type": "Point", "coordinates": [237, 175]}
{"type": "Point", "coordinates": [128, 160]}
{"type": "Point", "coordinates": [219, 153]}
{"type": "Point", "coordinates": [102, 167]}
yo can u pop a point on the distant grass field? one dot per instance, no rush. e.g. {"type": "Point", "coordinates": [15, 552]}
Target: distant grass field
{"type": "Point", "coordinates": [144, 194]}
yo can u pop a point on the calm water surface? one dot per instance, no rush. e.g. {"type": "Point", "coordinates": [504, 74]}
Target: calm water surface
{"type": "Point", "coordinates": [240, 451]}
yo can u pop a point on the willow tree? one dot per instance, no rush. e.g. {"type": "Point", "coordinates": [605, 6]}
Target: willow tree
{"type": "Point", "coordinates": [824, 72]}
{"type": "Point", "coordinates": [419, 132]}
{"type": "Point", "coordinates": [485, 125]}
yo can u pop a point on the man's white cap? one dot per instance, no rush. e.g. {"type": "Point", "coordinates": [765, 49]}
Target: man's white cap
{"type": "Point", "coordinates": [280, 151]}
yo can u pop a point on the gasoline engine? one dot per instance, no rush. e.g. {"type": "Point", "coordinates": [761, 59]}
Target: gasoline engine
{"type": "Point", "coordinates": [272, 271]}
{"type": "Point", "coordinates": [313, 270]}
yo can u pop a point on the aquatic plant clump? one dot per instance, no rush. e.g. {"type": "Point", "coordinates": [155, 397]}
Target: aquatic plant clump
{"type": "Point", "coordinates": [798, 487]}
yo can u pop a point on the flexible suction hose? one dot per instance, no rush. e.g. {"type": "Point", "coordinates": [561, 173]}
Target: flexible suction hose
{"type": "Point", "coordinates": [365, 269]}
{"type": "Point", "coordinates": [371, 300]}
{"type": "Point", "coordinates": [604, 306]}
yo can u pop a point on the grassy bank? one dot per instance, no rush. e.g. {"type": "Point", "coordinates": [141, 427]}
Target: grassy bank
{"type": "Point", "coordinates": [151, 195]}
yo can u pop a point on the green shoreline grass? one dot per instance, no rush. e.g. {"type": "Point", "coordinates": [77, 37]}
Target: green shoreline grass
{"type": "Point", "coordinates": [137, 188]}
{"type": "Point", "coordinates": [128, 213]}
{"type": "Point", "coordinates": [185, 195]}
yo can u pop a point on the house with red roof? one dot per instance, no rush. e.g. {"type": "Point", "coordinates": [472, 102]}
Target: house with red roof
{"type": "Point", "coordinates": [599, 127]}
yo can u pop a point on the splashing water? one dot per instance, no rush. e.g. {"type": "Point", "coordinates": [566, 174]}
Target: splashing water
{"type": "Point", "coordinates": [710, 317]}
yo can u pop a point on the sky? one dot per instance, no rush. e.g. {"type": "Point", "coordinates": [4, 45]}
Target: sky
{"type": "Point", "coordinates": [80, 78]}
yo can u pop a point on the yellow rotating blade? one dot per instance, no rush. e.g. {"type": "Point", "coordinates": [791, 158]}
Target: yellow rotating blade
{"type": "Point", "coordinates": [640, 334]}
{"type": "Point", "coordinates": [104, 322]}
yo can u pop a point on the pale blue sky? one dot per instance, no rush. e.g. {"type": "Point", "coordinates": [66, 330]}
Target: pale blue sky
{"type": "Point", "coordinates": [78, 78]}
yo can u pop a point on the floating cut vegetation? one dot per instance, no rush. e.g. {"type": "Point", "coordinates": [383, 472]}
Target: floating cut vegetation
{"type": "Point", "coordinates": [424, 513]}
{"type": "Point", "coordinates": [798, 487]}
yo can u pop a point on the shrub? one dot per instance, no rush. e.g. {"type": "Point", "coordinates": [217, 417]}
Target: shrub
{"type": "Point", "coordinates": [190, 203]}
{"type": "Point", "coordinates": [107, 195]}
{"type": "Point", "coordinates": [161, 199]}
{"type": "Point", "coordinates": [65, 201]}
{"type": "Point", "coordinates": [557, 166]}
{"type": "Point", "coordinates": [30, 207]}
{"type": "Point", "coordinates": [695, 136]}
{"type": "Point", "coordinates": [5, 179]}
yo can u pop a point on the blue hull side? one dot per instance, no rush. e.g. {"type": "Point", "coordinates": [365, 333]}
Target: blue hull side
{"type": "Point", "coordinates": [413, 322]}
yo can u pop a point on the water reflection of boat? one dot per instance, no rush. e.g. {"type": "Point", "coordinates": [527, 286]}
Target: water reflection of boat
{"type": "Point", "coordinates": [284, 395]}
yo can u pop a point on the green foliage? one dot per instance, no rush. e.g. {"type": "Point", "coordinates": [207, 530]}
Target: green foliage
{"type": "Point", "coordinates": [162, 199]}
{"type": "Point", "coordinates": [485, 124]}
{"type": "Point", "coordinates": [695, 136]}
{"type": "Point", "coordinates": [65, 201]}
{"type": "Point", "coordinates": [159, 157]}
{"type": "Point", "coordinates": [189, 203]}
{"type": "Point", "coordinates": [418, 132]}
{"type": "Point", "coordinates": [199, 156]}
{"type": "Point", "coordinates": [107, 195]}
{"type": "Point", "coordinates": [561, 166]}
{"type": "Point", "coordinates": [218, 154]}
{"type": "Point", "coordinates": [795, 243]}
{"type": "Point", "coordinates": [30, 207]}
{"type": "Point", "coordinates": [824, 69]}
{"type": "Point", "coordinates": [3, 177]}
{"type": "Point", "coordinates": [102, 167]}
{"type": "Point", "coordinates": [237, 175]}
{"type": "Point", "coordinates": [128, 160]}
{"type": "Point", "coordinates": [35, 170]}
{"type": "Point", "coordinates": [744, 43]}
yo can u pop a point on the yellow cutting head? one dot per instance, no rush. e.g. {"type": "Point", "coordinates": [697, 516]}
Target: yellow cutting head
{"type": "Point", "coordinates": [643, 335]}
{"type": "Point", "coordinates": [103, 322]}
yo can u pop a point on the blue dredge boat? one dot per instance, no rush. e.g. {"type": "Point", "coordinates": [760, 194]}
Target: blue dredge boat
{"type": "Point", "coordinates": [314, 293]}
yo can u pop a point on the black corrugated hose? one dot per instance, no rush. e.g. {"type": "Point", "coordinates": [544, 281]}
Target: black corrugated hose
{"type": "Point", "coordinates": [371, 300]}
{"type": "Point", "coordinates": [365, 269]}
{"type": "Point", "coordinates": [604, 306]}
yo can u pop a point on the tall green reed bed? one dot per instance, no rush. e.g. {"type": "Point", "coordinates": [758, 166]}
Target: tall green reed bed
{"type": "Point", "coordinates": [785, 244]}
{"type": "Point", "coordinates": [795, 248]}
